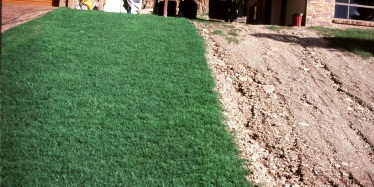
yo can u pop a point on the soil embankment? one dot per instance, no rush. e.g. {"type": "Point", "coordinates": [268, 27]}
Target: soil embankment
{"type": "Point", "coordinates": [302, 112]}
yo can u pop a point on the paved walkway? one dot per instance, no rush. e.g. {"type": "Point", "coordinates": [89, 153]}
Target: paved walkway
{"type": "Point", "coordinates": [16, 14]}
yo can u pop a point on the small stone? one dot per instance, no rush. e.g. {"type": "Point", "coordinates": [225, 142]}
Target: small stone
{"type": "Point", "coordinates": [345, 174]}
{"type": "Point", "coordinates": [220, 63]}
{"type": "Point", "coordinates": [278, 123]}
{"type": "Point", "coordinates": [304, 124]}
{"type": "Point", "coordinates": [345, 164]}
{"type": "Point", "coordinates": [244, 79]}
{"type": "Point", "coordinates": [268, 88]}
{"type": "Point", "coordinates": [306, 69]}
{"type": "Point", "coordinates": [348, 99]}
{"type": "Point", "coordinates": [319, 65]}
{"type": "Point", "coordinates": [350, 108]}
{"type": "Point", "coordinates": [361, 108]}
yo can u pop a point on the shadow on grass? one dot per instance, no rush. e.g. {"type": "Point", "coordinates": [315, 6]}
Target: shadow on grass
{"type": "Point", "coordinates": [362, 47]}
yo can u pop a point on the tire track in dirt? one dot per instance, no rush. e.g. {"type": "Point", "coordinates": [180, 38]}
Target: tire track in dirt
{"type": "Point", "coordinates": [296, 116]}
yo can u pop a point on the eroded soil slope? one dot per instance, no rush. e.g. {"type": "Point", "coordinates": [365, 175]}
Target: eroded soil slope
{"type": "Point", "coordinates": [301, 111]}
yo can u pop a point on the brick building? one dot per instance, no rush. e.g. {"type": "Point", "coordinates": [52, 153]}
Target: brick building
{"type": "Point", "coordinates": [315, 12]}
{"type": "Point", "coordinates": [277, 12]}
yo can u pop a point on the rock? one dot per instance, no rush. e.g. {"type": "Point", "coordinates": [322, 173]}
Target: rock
{"type": "Point", "coordinates": [348, 100]}
{"type": "Point", "coordinates": [220, 63]}
{"type": "Point", "coordinates": [278, 123]}
{"type": "Point", "coordinates": [306, 69]}
{"type": "Point", "coordinates": [244, 79]}
{"type": "Point", "coordinates": [311, 52]}
{"type": "Point", "coordinates": [345, 164]}
{"type": "Point", "coordinates": [350, 108]}
{"type": "Point", "coordinates": [361, 108]}
{"type": "Point", "coordinates": [304, 124]}
{"type": "Point", "coordinates": [268, 88]}
{"type": "Point", "coordinates": [319, 65]}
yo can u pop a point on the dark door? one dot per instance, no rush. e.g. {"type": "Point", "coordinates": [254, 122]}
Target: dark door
{"type": "Point", "coordinates": [283, 12]}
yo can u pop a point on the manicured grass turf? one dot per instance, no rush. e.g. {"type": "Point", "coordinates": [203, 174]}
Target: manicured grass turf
{"type": "Point", "coordinates": [101, 99]}
{"type": "Point", "coordinates": [357, 41]}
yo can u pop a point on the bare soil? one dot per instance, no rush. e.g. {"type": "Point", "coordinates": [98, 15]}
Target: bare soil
{"type": "Point", "coordinates": [15, 14]}
{"type": "Point", "coordinates": [302, 112]}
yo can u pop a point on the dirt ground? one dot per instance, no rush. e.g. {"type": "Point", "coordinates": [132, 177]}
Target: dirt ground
{"type": "Point", "coordinates": [301, 111]}
{"type": "Point", "coordinates": [16, 14]}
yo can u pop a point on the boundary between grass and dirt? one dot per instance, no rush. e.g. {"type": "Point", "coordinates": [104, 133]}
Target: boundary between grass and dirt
{"type": "Point", "coordinates": [86, 101]}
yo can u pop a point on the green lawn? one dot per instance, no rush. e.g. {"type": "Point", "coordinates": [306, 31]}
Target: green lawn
{"type": "Point", "coordinates": [101, 99]}
{"type": "Point", "coordinates": [356, 41]}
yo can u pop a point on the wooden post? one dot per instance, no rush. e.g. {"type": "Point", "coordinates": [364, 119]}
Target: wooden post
{"type": "Point", "coordinates": [70, 4]}
{"type": "Point", "coordinates": [166, 8]}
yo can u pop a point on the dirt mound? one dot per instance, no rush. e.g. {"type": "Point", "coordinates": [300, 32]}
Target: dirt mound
{"type": "Point", "coordinates": [301, 111]}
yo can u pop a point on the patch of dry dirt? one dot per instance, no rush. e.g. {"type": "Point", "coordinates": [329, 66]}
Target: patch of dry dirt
{"type": "Point", "coordinates": [15, 14]}
{"type": "Point", "coordinates": [301, 112]}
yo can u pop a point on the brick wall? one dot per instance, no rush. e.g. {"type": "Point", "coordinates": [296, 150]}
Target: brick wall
{"type": "Point", "coordinates": [320, 12]}
{"type": "Point", "coordinates": [343, 23]}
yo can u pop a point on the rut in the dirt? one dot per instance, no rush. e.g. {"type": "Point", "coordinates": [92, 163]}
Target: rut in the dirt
{"type": "Point", "coordinates": [301, 111]}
